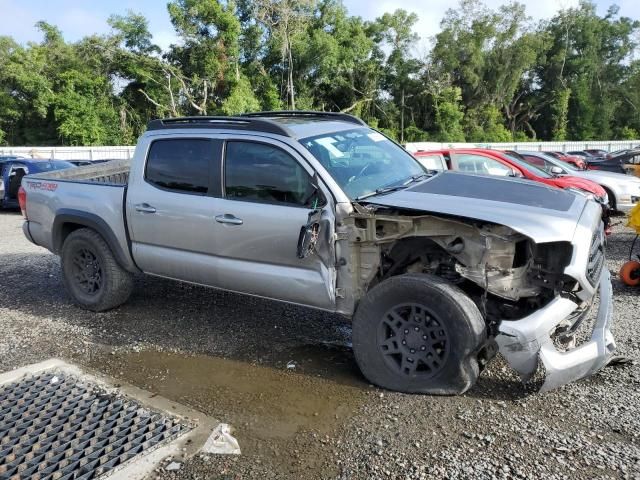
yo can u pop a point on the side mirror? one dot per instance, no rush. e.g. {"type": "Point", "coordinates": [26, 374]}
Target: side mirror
{"type": "Point", "coordinates": [309, 234]}
{"type": "Point", "coordinates": [555, 170]}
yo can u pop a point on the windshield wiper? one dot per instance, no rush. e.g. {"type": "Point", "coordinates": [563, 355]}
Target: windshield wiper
{"type": "Point", "coordinates": [422, 176]}
{"type": "Point", "coordinates": [388, 189]}
{"type": "Point", "coordinates": [380, 191]}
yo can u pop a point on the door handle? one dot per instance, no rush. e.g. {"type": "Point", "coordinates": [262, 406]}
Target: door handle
{"type": "Point", "coordinates": [229, 219]}
{"type": "Point", "coordinates": [145, 208]}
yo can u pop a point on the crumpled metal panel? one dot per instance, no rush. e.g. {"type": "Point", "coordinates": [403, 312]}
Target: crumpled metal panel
{"type": "Point", "coordinates": [54, 426]}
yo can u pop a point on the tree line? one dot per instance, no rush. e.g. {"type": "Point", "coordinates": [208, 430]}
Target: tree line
{"type": "Point", "coordinates": [489, 75]}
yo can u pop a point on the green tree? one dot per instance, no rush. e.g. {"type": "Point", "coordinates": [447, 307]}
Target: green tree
{"type": "Point", "coordinates": [285, 21]}
{"type": "Point", "coordinates": [587, 60]}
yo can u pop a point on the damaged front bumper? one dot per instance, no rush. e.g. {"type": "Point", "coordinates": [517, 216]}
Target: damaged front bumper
{"type": "Point", "coordinates": [526, 341]}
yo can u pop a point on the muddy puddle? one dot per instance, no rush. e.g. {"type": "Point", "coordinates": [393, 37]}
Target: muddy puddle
{"type": "Point", "coordinates": [274, 410]}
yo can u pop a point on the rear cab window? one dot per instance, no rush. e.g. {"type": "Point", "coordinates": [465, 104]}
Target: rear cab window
{"type": "Point", "coordinates": [183, 165]}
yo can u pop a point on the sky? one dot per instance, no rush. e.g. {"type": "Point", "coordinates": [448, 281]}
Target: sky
{"type": "Point", "coordinates": [77, 18]}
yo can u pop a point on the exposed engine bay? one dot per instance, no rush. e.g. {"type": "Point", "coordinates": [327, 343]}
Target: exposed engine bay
{"type": "Point", "coordinates": [506, 273]}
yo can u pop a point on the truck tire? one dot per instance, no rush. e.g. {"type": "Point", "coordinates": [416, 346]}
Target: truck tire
{"type": "Point", "coordinates": [417, 333]}
{"type": "Point", "coordinates": [91, 274]}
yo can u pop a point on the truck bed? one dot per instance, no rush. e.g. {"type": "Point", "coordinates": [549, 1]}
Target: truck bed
{"type": "Point", "coordinates": [93, 195]}
{"type": "Point", "coordinates": [115, 172]}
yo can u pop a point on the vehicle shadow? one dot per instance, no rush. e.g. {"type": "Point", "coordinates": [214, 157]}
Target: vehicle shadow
{"type": "Point", "coordinates": [502, 384]}
{"type": "Point", "coordinates": [173, 316]}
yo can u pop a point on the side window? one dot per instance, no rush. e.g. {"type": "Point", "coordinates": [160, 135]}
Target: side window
{"type": "Point", "coordinates": [482, 165]}
{"type": "Point", "coordinates": [432, 162]}
{"type": "Point", "coordinates": [257, 172]}
{"type": "Point", "coordinates": [538, 162]}
{"type": "Point", "coordinates": [541, 162]}
{"type": "Point", "coordinates": [180, 165]}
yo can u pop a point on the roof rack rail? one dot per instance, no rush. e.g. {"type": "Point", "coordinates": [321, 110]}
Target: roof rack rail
{"type": "Point", "coordinates": [219, 122]}
{"type": "Point", "coordinates": [345, 117]}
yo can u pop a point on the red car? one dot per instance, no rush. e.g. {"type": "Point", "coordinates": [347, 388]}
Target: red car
{"type": "Point", "coordinates": [572, 159]}
{"type": "Point", "coordinates": [494, 162]}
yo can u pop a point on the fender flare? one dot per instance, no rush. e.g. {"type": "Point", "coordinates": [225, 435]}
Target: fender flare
{"type": "Point", "coordinates": [78, 217]}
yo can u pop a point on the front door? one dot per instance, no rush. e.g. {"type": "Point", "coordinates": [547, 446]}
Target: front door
{"type": "Point", "coordinates": [267, 198]}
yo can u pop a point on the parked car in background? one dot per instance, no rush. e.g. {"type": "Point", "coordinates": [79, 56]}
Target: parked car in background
{"type": "Point", "coordinates": [623, 190]}
{"type": "Point", "coordinates": [437, 272]}
{"type": "Point", "coordinates": [620, 161]}
{"type": "Point", "coordinates": [578, 162]}
{"type": "Point", "coordinates": [84, 163]}
{"type": "Point", "coordinates": [589, 154]}
{"type": "Point", "coordinates": [583, 155]}
{"type": "Point", "coordinates": [611, 164]}
{"type": "Point", "coordinates": [498, 163]}
{"type": "Point", "coordinates": [13, 169]}
{"type": "Point", "coordinates": [597, 153]}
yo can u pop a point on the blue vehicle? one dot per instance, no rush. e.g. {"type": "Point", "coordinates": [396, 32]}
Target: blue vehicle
{"type": "Point", "coordinates": [12, 169]}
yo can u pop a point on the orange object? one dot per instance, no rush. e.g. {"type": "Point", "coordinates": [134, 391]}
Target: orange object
{"type": "Point", "coordinates": [630, 273]}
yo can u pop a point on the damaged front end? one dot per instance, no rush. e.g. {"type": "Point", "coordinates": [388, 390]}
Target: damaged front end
{"type": "Point", "coordinates": [529, 341]}
{"type": "Point", "coordinates": [528, 293]}
{"type": "Point", "coordinates": [548, 335]}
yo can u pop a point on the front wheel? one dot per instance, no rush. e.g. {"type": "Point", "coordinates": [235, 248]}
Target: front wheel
{"type": "Point", "coordinates": [417, 333]}
{"type": "Point", "coordinates": [91, 274]}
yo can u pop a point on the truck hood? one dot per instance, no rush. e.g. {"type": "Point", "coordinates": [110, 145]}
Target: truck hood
{"type": "Point", "coordinates": [542, 213]}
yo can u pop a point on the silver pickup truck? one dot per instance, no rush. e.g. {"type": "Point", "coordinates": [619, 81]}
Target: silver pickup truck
{"type": "Point", "coordinates": [438, 271]}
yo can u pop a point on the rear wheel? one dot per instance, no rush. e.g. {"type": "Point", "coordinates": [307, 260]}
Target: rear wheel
{"type": "Point", "coordinates": [418, 334]}
{"type": "Point", "coordinates": [630, 273]}
{"type": "Point", "coordinates": [91, 274]}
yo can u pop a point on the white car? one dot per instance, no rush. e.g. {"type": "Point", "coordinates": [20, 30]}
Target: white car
{"type": "Point", "coordinates": [623, 190]}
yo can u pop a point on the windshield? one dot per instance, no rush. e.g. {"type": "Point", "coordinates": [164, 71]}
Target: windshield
{"type": "Point", "coordinates": [567, 165]}
{"type": "Point", "coordinates": [55, 165]}
{"type": "Point", "coordinates": [363, 161]}
{"type": "Point", "coordinates": [522, 162]}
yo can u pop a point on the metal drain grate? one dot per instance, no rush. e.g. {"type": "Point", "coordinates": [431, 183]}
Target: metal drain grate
{"type": "Point", "coordinates": [55, 426]}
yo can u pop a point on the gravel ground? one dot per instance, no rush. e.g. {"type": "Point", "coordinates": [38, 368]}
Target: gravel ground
{"type": "Point", "coordinates": [227, 356]}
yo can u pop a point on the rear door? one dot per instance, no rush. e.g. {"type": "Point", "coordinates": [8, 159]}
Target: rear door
{"type": "Point", "coordinates": [171, 205]}
{"type": "Point", "coordinates": [267, 198]}
{"type": "Point", "coordinates": [15, 173]}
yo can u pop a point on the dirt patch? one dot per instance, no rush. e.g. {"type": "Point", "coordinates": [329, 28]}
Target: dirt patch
{"type": "Point", "coordinates": [277, 414]}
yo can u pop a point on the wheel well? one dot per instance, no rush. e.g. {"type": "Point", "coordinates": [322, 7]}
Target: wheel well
{"type": "Point", "coordinates": [68, 221]}
{"type": "Point", "coordinates": [415, 254]}
{"type": "Point", "coordinates": [613, 201]}
{"type": "Point", "coordinates": [65, 230]}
